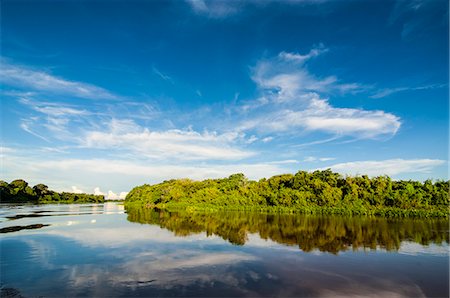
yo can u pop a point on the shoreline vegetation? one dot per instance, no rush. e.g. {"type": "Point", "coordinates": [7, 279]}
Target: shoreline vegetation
{"type": "Point", "coordinates": [18, 191]}
{"type": "Point", "coordinates": [318, 192]}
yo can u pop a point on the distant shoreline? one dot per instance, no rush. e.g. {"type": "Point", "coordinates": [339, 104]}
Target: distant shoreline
{"type": "Point", "coordinates": [18, 191]}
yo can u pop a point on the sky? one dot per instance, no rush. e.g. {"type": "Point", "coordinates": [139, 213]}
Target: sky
{"type": "Point", "coordinates": [102, 96]}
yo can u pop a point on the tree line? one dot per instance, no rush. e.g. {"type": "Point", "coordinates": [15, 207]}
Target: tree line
{"type": "Point", "coordinates": [18, 191]}
{"type": "Point", "coordinates": [310, 192]}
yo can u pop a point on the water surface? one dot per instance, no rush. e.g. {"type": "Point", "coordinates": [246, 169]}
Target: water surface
{"type": "Point", "coordinates": [102, 250]}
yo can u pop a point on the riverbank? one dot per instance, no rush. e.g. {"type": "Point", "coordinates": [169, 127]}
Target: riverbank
{"type": "Point", "coordinates": [318, 192]}
{"type": "Point", "coordinates": [362, 211]}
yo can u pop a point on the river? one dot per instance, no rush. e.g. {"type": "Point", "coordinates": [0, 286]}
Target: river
{"type": "Point", "coordinates": [103, 250]}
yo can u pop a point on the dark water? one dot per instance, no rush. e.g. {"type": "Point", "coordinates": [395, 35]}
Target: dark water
{"type": "Point", "coordinates": [103, 251]}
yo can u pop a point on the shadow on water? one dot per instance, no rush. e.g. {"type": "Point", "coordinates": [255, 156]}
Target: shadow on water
{"type": "Point", "coordinates": [10, 293]}
{"type": "Point", "coordinates": [19, 228]}
{"type": "Point", "coordinates": [331, 234]}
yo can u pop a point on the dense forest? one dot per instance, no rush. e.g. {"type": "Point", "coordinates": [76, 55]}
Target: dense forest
{"type": "Point", "coordinates": [18, 191]}
{"type": "Point", "coordinates": [323, 192]}
{"type": "Point", "coordinates": [325, 233]}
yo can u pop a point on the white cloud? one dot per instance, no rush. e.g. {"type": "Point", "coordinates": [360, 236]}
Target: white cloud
{"type": "Point", "coordinates": [326, 158]}
{"type": "Point", "coordinates": [86, 129]}
{"type": "Point", "coordinates": [298, 58]}
{"type": "Point", "coordinates": [173, 144]}
{"type": "Point", "coordinates": [292, 102]}
{"type": "Point", "coordinates": [389, 167]}
{"type": "Point", "coordinates": [98, 192]}
{"type": "Point", "coordinates": [14, 75]}
{"type": "Point", "coordinates": [319, 115]}
{"type": "Point", "coordinates": [76, 190]}
{"type": "Point", "coordinates": [316, 159]}
{"type": "Point", "coordinates": [287, 161]}
{"type": "Point", "coordinates": [113, 196]}
{"type": "Point", "coordinates": [252, 139]}
{"type": "Point", "coordinates": [4, 150]}
{"type": "Point", "coordinates": [159, 172]}
{"type": "Point", "coordinates": [110, 195]}
{"type": "Point", "coordinates": [285, 78]}
{"type": "Point", "coordinates": [120, 174]}
{"type": "Point", "coordinates": [310, 159]}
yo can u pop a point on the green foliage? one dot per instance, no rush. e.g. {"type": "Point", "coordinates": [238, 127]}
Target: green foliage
{"type": "Point", "coordinates": [18, 191]}
{"type": "Point", "coordinates": [323, 192]}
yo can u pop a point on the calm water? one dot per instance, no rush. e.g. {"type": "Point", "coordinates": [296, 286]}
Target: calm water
{"type": "Point", "coordinates": [104, 250]}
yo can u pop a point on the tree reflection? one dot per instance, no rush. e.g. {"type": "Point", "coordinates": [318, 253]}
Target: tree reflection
{"type": "Point", "coordinates": [325, 233]}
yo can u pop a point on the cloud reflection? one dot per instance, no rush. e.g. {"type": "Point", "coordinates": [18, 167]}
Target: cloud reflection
{"type": "Point", "coordinates": [114, 257]}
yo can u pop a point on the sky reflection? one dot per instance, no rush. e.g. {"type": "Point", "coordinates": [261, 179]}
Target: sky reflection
{"type": "Point", "coordinates": [105, 255]}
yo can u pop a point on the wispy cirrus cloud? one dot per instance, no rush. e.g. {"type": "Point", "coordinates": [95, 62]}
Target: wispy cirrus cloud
{"type": "Point", "coordinates": [299, 58]}
{"type": "Point", "coordinates": [169, 144]}
{"type": "Point", "coordinates": [26, 125]}
{"type": "Point", "coordinates": [389, 91]}
{"type": "Point", "coordinates": [84, 129]}
{"type": "Point", "coordinates": [52, 119]}
{"type": "Point", "coordinates": [55, 109]}
{"type": "Point", "coordinates": [216, 9]}
{"type": "Point", "coordinates": [221, 9]}
{"type": "Point", "coordinates": [286, 77]}
{"type": "Point", "coordinates": [25, 77]}
{"type": "Point", "coordinates": [162, 75]}
{"type": "Point", "coordinates": [317, 159]}
{"type": "Point", "coordinates": [390, 167]}
{"type": "Point", "coordinates": [418, 17]}
{"type": "Point", "coordinates": [100, 130]}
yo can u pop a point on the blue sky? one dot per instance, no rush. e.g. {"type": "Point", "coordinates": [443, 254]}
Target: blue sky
{"type": "Point", "coordinates": [107, 95]}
